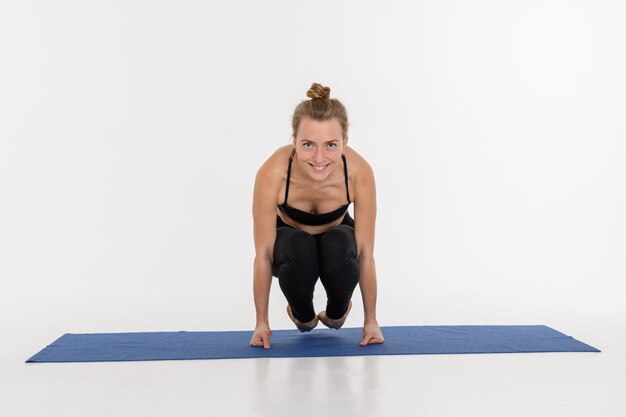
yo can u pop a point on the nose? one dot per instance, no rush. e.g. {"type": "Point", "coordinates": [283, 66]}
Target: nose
{"type": "Point", "coordinates": [319, 156]}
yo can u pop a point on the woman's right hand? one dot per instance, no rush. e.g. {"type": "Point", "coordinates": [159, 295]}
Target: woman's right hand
{"type": "Point", "coordinates": [261, 336]}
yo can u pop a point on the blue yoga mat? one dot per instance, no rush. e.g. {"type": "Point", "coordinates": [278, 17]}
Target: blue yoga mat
{"type": "Point", "coordinates": [399, 340]}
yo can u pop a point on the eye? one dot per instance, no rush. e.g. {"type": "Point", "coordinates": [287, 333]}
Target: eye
{"type": "Point", "coordinates": [334, 145]}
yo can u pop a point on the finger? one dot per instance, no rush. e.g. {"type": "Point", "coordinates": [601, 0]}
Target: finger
{"type": "Point", "coordinates": [371, 339]}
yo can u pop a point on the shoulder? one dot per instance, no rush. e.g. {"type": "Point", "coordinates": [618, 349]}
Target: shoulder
{"type": "Point", "coordinates": [267, 186]}
{"type": "Point", "coordinates": [359, 168]}
{"type": "Point", "coordinates": [362, 176]}
{"type": "Point", "coordinates": [275, 166]}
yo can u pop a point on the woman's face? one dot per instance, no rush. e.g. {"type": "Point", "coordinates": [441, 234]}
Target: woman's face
{"type": "Point", "coordinates": [319, 144]}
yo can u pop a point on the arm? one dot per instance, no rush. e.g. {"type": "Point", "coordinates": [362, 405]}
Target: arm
{"type": "Point", "coordinates": [367, 284]}
{"type": "Point", "coordinates": [261, 285]}
{"type": "Point", "coordinates": [264, 214]}
{"type": "Point", "coordinates": [364, 230]}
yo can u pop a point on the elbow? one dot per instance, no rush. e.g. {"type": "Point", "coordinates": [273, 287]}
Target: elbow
{"type": "Point", "coordinates": [365, 256]}
{"type": "Point", "coordinates": [264, 259]}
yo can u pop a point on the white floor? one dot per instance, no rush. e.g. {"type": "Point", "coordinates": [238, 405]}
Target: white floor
{"type": "Point", "coordinates": [542, 384]}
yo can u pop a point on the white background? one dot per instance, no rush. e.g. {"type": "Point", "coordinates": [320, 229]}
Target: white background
{"type": "Point", "coordinates": [131, 133]}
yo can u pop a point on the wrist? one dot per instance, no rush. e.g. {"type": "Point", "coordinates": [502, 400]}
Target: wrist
{"type": "Point", "coordinates": [262, 321]}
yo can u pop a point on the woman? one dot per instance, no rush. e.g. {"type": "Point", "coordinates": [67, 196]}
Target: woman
{"type": "Point", "coordinates": [317, 239]}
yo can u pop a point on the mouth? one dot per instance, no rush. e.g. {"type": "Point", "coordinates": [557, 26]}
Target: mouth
{"type": "Point", "coordinates": [318, 168]}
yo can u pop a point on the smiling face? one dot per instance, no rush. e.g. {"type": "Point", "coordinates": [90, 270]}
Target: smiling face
{"type": "Point", "coordinates": [319, 144]}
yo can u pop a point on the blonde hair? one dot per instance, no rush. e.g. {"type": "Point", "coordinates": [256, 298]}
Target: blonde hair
{"type": "Point", "coordinates": [320, 107]}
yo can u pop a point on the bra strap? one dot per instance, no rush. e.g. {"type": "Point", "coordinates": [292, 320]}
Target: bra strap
{"type": "Point", "coordinates": [288, 175]}
{"type": "Point", "coordinates": [345, 173]}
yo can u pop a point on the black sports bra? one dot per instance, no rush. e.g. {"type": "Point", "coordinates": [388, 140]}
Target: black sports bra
{"type": "Point", "coordinates": [308, 218]}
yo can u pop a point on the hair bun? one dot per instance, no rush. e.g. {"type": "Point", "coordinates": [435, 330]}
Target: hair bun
{"type": "Point", "coordinates": [318, 91]}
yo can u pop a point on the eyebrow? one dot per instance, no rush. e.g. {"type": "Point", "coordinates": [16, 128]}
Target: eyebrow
{"type": "Point", "coordinates": [307, 140]}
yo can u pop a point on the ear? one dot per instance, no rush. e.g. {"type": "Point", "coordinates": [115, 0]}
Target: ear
{"type": "Point", "coordinates": [345, 141]}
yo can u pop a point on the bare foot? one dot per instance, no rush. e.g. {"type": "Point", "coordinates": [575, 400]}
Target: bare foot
{"type": "Point", "coordinates": [334, 323]}
{"type": "Point", "coordinates": [303, 327]}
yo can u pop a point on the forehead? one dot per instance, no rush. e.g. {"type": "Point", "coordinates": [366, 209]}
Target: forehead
{"type": "Point", "coordinates": [319, 130]}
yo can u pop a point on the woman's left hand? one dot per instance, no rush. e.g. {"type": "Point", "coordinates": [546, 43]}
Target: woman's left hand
{"type": "Point", "coordinates": [371, 334]}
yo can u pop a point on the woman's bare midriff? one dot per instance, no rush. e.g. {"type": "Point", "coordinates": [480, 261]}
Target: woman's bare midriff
{"type": "Point", "coordinates": [314, 230]}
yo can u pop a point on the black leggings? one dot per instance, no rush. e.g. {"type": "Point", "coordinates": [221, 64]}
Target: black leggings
{"type": "Point", "coordinates": [300, 258]}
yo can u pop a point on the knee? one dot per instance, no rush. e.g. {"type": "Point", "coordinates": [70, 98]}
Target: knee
{"type": "Point", "coordinates": [297, 257]}
{"type": "Point", "coordinates": [338, 242]}
{"type": "Point", "coordinates": [301, 246]}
